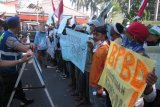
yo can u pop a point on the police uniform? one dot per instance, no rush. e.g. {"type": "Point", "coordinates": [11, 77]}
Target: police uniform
{"type": "Point", "coordinates": [8, 45]}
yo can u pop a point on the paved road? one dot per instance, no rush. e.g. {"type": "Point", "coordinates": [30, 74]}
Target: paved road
{"type": "Point", "coordinates": [57, 88]}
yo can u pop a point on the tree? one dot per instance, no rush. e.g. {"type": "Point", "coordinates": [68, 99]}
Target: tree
{"type": "Point", "coordinates": [94, 5]}
{"type": "Point", "coordinates": [134, 7]}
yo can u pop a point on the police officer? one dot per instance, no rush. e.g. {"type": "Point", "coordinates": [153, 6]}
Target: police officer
{"type": "Point", "coordinates": [10, 49]}
{"type": "Point", "coordinates": [8, 63]}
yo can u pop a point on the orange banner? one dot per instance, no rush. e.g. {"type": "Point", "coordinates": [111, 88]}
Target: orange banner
{"type": "Point", "coordinates": [124, 75]}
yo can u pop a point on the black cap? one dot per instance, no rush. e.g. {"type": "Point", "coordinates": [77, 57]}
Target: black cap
{"type": "Point", "coordinates": [13, 22]}
{"type": "Point", "coordinates": [101, 29]}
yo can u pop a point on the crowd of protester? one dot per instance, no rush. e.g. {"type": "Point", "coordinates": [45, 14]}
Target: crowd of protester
{"type": "Point", "coordinates": [47, 49]}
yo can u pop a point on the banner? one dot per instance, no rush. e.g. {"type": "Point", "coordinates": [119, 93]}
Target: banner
{"type": "Point", "coordinates": [124, 75]}
{"type": "Point", "coordinates": [154, 53]}
{"type": "Point", "coordinates": [74, 48]}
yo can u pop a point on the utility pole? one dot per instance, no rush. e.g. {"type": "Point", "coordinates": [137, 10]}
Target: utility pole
{"type": "Point", "coordinates": [37, 11]}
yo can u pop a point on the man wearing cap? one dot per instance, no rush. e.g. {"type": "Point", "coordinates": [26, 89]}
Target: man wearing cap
{"type": "Point", "coordinates": [98, 62]}
{"type": "Point", "coordinates": [154, 36]}
{"type": "Point", "coordinates": [136, 35]}
{"type": "Point", "coordinates": [40, 42]}
{"type": "Point", "coordinates": [117, 32]}
{"type": "Point", "coordinates": [10, 49]}
{"type": "Point", "coordinates": [92, 24]}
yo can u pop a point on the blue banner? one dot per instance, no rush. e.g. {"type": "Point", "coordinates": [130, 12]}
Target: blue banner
{"type": "Point", "coordinates": [74, 48]}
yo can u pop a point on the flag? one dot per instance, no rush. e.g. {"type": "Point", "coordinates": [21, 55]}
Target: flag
{"type": "Point", "coordinates": [59, 11]}
{"type": "Point", "coordinates": [53, 6]}
{"type": "Point", "coordinates": [142, 7]}
{"type": "Point", "coordinates": [141, 10]}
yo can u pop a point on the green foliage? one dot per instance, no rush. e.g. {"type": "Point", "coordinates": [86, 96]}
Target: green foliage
{"type": "Point", "coordinates": [94, 5]}
{"type": "Point", "coordinates": [120, 6]}
{"type": "Point", "coordinates": [135, 4]}
{"type": "Point", "coordinates": [116, 8]}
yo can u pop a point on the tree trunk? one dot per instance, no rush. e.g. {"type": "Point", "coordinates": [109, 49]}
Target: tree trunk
{"type": "Point", "coordinates": [156, 10]}
{"type": "Point", "coordinates": [129, 6]}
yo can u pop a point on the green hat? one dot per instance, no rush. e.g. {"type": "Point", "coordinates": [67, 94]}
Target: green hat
{"type": "Point", "coordinates": [155, 30]}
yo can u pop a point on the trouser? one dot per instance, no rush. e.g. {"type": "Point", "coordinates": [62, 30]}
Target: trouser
{"type": "Point", "coordinates": [77, 76]}
{"type": "Point", "coordinates": [71, 69]}
{"type": "Point", "coordinates": [62, 64]}
{"type": "Point", "coordinates": [58, 56]}
{"type": "Point", "coordinates": [83, 85]}
{"type": "Point", "coordinates": [155, 102]}
{"type": "Point", "coordinates": [95, 100]}
{"type": "Point", "coordinates": [9, 80]}
{"type": "Point", "coordinates": [1, 91]}
{"type": "Point", "coordinates": [65, 66]}
{"type": "Point", "coordinates": [87, 85]}
{"type": "Point", "coordinates": [42, 57]}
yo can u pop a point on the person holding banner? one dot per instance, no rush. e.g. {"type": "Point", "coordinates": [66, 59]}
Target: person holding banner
{"type": "Point", "coordinates": [64, 63]}
{"type": "Point", "coordinates": [154, 35]}
{"type": "Point", "coordinates": [98, 62]}
{"type": "Point", "coordinates": [10, 49]}
{"type": "Point", "coordinates": [40, 42]}
{"type": "Point", "coordinates": [136, 35]}
{"type": "Point", "coordinates": [93, 24]}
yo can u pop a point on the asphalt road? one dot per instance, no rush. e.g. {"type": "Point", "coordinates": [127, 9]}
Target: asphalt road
{"type": "Point", "coordinates": [57, 87]}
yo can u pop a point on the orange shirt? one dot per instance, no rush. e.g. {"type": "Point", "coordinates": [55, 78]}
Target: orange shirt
{"type": "Point", "coordinates": [98, 63]}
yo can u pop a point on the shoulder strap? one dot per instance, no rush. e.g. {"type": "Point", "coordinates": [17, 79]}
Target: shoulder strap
{"type": "Point", "coordinates": [1, 37]}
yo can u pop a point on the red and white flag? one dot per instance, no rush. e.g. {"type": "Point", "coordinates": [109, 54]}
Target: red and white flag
{"type": "Point", "coordinates": [59, 11]}
{"type": "Point", "coordinates": [53, 5]}
{"type": "Point", "coordinates": [142, 7]}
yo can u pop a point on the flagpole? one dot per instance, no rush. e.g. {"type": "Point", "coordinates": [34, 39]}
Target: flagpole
{"type": "Point", "coordinates": [37, 11]}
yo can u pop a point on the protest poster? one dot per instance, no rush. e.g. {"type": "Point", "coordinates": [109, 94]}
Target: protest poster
{"type": "Point", "coordinates": [124, 75]}
{"type": "Point", "coordinates": [74, 48]}
{"type": "Point", "coordinates": [65, 47]}
{"type": "Point", "coordinates": [154, 53]}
